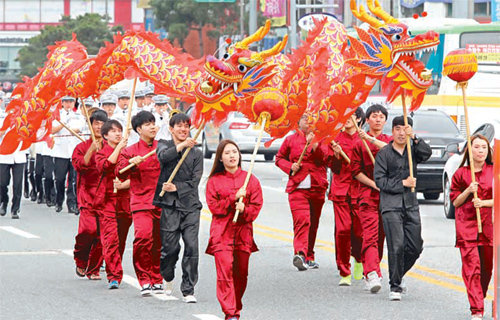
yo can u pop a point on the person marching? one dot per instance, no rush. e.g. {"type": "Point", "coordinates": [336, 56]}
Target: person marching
{"type": "Point", "coordinates": [343, 194]}
{"type": "Point", "coordinates": [180, 205]}
{"type": "Point", "coordinates": [108, 103]}
{"type": "Point", "coordinates": [64, 145]}
{"type": "Point", "coordinates": [143, 178]}
{"type": "Point", "coordinates": [88, 248]}
{"type": "Point", "coordinates": [113, 207]}
{"type": "Point", "coordinates": [140, 100]}
{"type": "Point", "coordinates": [306, 189]}
{"type": "Point", "coordinates": [476, 249]}
{"type": "Point", "coordinates": [231, 243]}
{"type": "Point", "coordinates": [368, 195]}
{"type": "Point", "coordinates": [161, 113]}
{"type": "Point", "coordinates": [398, 204]}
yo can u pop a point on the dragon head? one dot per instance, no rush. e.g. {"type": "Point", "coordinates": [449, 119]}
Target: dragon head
{"type": "Point", "coordinates": [241, 71]}
{"type": "Point", "coordinates": [387, 50]}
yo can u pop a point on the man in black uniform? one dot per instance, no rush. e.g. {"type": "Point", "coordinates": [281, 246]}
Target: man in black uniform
{"type": "Point", "coordinates": [398, 204]}
{"type": "Point", "coordinates": [180, 205]}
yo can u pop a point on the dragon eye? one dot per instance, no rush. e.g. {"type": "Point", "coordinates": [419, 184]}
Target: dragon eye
{"type": "Point", "coordinates": [396, 37]}
{"type": "Point", "coordinates": [242, 68]}
{"type": "Point", "coordinates": [225, 56]}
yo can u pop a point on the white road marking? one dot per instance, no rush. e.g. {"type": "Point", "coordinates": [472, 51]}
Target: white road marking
{"type": "Point", "coordinates": [280, 190]}
{"type": "Point", "coordinates": [19, 232]}
{"type": "Point", "coordinates": [29, 253]}
{"type": "Point", "coordinates": [207, 317]}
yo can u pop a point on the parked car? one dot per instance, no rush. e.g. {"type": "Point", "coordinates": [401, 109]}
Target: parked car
{"type": "Point", "coordinates": [491, 131]}
{"type": "Point", "coordinates": [240, 130]}
{"type": "Point", "coordinates": [439, 131]}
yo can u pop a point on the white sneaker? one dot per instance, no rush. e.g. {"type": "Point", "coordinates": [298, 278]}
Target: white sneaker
{"type": "Point", "coordinates": [476, 317]}
{"type": "Point", "coordinates": [190, 299]}
{"type": "Point", "coordinates": [395, 296]}
{"type": "Point", "coordinates": [169, 288]}
{"type": "Point", "coordinates": [146, 290]}
{"type": "Point", "coordinates": [374, 282]}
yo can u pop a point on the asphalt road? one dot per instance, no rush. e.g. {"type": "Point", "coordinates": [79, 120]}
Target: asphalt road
{"type": "Point", "coordinates": [37, 278]}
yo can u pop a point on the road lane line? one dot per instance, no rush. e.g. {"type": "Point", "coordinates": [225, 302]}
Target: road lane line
{"type": "Point", "coordinates": [29, 253]}
{"type": "Point", "coordinates": [206, 317]}
{"type": "Point", "coordinates": [132, 281]}
{"type": "Point", "coordinates": [19, 232]}
{"type": "Point", "coordinates": [281, 190]}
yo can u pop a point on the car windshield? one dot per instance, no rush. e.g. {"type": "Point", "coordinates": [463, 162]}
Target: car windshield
{"type": "Point", "coordinates": [428, 123]}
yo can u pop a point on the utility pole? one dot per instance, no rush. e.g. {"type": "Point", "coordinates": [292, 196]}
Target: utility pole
{"type": "Point", "coordinates": [242, 18]}
{"type": "Point", "coordinates": [252, 21]}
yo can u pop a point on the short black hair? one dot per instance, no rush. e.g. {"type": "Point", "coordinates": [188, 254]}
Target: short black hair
{"type": "Point", "coordinates": [179, 118]}
{"type": "Point", "coordinates": [141, 118]}
{"type": "Point", "coordinates": [400, 121]}
{"type": "Point", "coordinates": [359, 113]}
{"type": "Point", "coordinates": [376, 108]}
{"type": "Point", "coordinates": [98, 115]}
{"type": "Point", "coordinates": [108, 125]}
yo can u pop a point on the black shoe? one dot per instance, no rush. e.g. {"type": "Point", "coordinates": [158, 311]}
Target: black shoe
{"type": "Point", "coordinates": [50, 203]}
{"type": "Point", "coordinates": [73, 209]}
{"type": "Point", "coordinates": [58, 208]}
{"type": "Point", "coordinates": [26, 194]}
{"type": "Point", "coordinates": [33, 196]}
{"type": "Point", "coordinates": [3, 209]}
{"type": "Point", "coordinates": [15, 214]}
{"type": "Point", "coordinates": [40, 199]}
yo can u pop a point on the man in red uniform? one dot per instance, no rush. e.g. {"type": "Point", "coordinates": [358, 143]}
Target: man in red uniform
{"type": "Point", "coordinates": [343, 193]}
{"type": "Point", "coordinates": [113, 201]}
{"type": "Point", "coordinates": [368, 195]}
{"type": "Point", "coordinates": [143, 178]}
{"type": "Point", "coordinates": [88, 249]}
{"type": "Point", "coordinates": [306, 189]}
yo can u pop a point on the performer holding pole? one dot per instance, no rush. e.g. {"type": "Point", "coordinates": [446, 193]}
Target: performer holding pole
{"type": "Point", "coordinates": [231, 243]}
{"type": "Point", "coordinates": [408, 143]}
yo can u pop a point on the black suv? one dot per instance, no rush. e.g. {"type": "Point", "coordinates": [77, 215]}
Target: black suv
{"type": "Point", "coordinates": [438, 130]}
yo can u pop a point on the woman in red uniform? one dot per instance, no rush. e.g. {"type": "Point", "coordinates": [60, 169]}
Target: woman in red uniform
{"type": "Point", "coordinates": [231, 243]}
{"type": "Point", "coordinates": [476, 248]}
{"type": "Point", "coordinates": [114, 206]}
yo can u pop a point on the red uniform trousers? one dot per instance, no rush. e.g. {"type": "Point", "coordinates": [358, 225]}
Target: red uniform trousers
{"type": "Point", "coordinates": [348, 233]}
{"type": "Point", "coordinates": [232, 274]}
{"type": "Point", "coordinates": [306, 206]}
{"type": "Point", "coordinates": [477, 266]}
{"type": "Point", "coordinates": [373, 237]}
{"type": "Point", "coordinates": [88, 248]}
{"type": "Point", "coordinates": [114, 230]}
{"type": "Point", "coordinates": [147, 245]}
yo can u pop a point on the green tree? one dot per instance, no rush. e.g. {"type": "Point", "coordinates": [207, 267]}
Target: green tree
{"type": "Point", "coordinates": [90, 29]}
{"type": "Point", "coordinates": [180, 16]}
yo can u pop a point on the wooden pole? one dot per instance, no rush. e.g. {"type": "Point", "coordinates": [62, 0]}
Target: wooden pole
{"type": "Point", "coordinates": [342, 153]}
{"type": "Point", "coordinates": [114, 189]}
{"type": "Point", "coordinates": [469, 150]}
{"type": "Point", "coordinates": [372, 158]}
{"type": "Point", "coordinates": [130, 104]}
{"type": "Point", "coordinates": [302, 155]}
{"type": "Point", "coordinates": [147, 155]}
{"type": "Point", "coordinates": [265, 118]}
{"type": "Point", "coordinates": [92, 134]}
{"type": "Point", "coordinates": [408, 143]}
{"type": "Point", "coordinates": [184, 155]}
{"type": "Point", "coordinates": [71, 131]}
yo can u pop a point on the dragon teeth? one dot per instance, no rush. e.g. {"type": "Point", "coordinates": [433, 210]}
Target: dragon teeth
{"type": "Point", "coordinates": [235, 87]}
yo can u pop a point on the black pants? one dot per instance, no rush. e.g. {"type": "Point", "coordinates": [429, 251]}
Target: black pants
{"type": "Point", "coordinates": [29, 176]}
{"type": "Point", "coordinates": [63, 169]}
{"type": "Point", "coordinates": [17, 184]}
{"type": "Point", "coordinates": [39, 175]}
{"type": "Point", "coordinates": [404, 242]}
{"type": "Point", "coordinates": [48, 178]}
{"type": "Point", "coordinates": [173, 225]}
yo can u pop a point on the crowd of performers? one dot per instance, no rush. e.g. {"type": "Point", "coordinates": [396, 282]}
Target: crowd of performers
{"type": "Point", "coordinates": [372, 201]}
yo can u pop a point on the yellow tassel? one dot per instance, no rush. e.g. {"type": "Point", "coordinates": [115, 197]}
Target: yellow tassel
{"type": "Point", "coordinates": [469, 67]}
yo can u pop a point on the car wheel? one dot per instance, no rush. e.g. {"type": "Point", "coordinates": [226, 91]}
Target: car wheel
{"type": "Point", "coordinates": [431, 196]}
{"type": "Point", "coordinates": [269, 157]}
{"type": "Point", "coordinates": [449, 208]}
{"type": "Point", "coordinates": [204, 148]}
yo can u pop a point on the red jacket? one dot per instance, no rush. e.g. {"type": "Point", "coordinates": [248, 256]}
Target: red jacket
{"type": "Point", "coordinates": [313, 163]}
{"type": "Point", "coordinates": [220, 193]}
{"type": "Point", "coordinates": [143, 179]}
{"type": "Point", "coordinates": [361, 163]}
{"type": "Point", "coordinates": [465, 215]}
{"type": "Point", "coordinates": [342, 181]}
{"type": "Point", "coordinates": [105, 198]}
{"type": "Point", "coordinates": [87, 175]}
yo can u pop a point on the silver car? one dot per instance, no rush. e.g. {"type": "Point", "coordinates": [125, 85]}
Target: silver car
{"type": "Point", "coordinates": [240, 130]}
{"type": "Point", "coordinates": [491, 131]}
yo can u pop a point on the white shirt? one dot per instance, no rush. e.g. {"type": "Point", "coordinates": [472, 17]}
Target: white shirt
{"type": "Point", "coordinates": [162, 121]}
{"type": "Point", "coordinates": [64, 141]}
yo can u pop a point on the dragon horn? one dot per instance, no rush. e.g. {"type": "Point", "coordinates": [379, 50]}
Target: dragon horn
{"type": "Point", "coordinates": [379, 12]}
{"type": "Point", "coordinates": [257, 36]}
{"type": "Point", "coordinates": [271, 52]}
{"type": "Point", "coordinates": [362, 15]}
